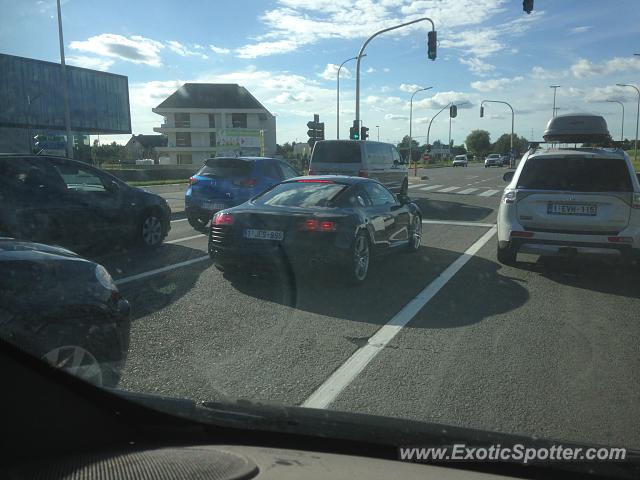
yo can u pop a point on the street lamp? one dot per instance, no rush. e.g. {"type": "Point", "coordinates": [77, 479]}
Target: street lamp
{"type": "Point", "coordinates": [457, 105]}
{"type": "Point", "coordinates": [338, 95]}
{"type": "Point", "coordinates": [364, 46]}
{"type": "Point", "coordinates": [415, 172]}
{"type": "Point", "coordinates": [65, 90]}
{"type": "Point", "coordinates": [635, 146]}
{"type": "Point", "coordinates": [378, 127]}
{"type": "Point", "coordinates": [512, 122]}
{"type": "Point", "coordinates": [555, 88]}
{"type": "Point", "coordinates": [622, 127]}
{"type": "Point", "coordinates": [411, 117]}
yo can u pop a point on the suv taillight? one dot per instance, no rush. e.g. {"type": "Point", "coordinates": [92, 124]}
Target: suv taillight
{"type": "Point", "coordinates": [193, 181]}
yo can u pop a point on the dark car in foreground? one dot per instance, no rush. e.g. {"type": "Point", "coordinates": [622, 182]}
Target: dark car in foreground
{"type": "Point", "coordinates": [226, 182]}
{"type": "Point", "coordinates": [64, 309]}
{"type": "Point", "coordinates": [64, 202]}
{"type": "Point", "coordinates": [336, 221]}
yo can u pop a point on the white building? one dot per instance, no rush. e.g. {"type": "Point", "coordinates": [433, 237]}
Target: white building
{"type": "Point", "coordinates": [204, 120]}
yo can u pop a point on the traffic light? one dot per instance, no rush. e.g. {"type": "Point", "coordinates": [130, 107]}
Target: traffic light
{"type": "Point", "coordinates": [364, 133]}
{"type": "Point", "coordinates": [316, 130]}
{"type": "Point", "coordinates": [481, 111]}
{"type": "Point", "coordinates": [453, 111]}
{"type": "Point", "coordinates": [527, 6]}
{"type": "Point", "coordinates": [432, 40]}
{"type": "Point", "coordinates": [354, 133]}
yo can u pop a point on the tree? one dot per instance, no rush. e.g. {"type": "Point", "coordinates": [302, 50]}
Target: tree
{"type": "Point", "coordinates": [503, 144]}
{"type": "Point", "coordinates": [403, 148]}
{"type": "Point", "coordinates": [478, 142]}
{"type": "Point", "coordinates": [285, 150]}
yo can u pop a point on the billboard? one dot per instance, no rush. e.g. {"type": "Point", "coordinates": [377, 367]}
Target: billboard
{"type": "Point", "coordinates": [31, 97]}
{"type": "Point", "coordinates": [242, 138]}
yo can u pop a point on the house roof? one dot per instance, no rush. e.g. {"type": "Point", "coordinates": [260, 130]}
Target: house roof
{"type": "Point", "coordinates": [211, 95]}
{"type": "Point", "coordinates": [150, 141]}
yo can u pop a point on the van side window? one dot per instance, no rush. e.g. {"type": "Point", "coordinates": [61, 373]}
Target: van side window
{"type": "Point", "coordinates": [395, 155]}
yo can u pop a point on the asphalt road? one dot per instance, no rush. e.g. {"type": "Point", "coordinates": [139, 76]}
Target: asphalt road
{"type": "Point", "coordinates": [448, 335]}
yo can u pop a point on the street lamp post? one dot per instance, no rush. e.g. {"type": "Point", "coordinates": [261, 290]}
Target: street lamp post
{"type": "Point", "coordinates": [457, 105]}
{"type": "Point", "coordinates": [378, 127]}
{"type": "Point", "coordinates": [65, 90]}
{"type": "Point", "coordinates": [555, 88]}
{"type": "Point", "coordinates": [364, 46]}
{"type": "Point", "coordinates": [635, 145]}
{"type": "Point", "coordinates": [415, 172]}
{"type": "Point", "coordinates": [338, 96]}
{"type": "Point", "coordinates": [622, 126]}
{"type": "Point", "coordinates": [411, 119]}
{"type": "Point", "coordinates": [512, 123]}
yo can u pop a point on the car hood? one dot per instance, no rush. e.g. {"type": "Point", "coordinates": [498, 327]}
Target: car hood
{"type": "Point", "coordinates": [12, 249]}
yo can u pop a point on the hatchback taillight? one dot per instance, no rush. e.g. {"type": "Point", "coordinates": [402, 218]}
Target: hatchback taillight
{"type": "Point", "coordinates": [223, 219]}
{"type": "Point", "coordinates": [246, 182]}
{"type": "Point", "coordinates": [193, 181]}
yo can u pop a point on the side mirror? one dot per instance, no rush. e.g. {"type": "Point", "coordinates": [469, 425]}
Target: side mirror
{"type": "Point", "coordinates": [508, 176]}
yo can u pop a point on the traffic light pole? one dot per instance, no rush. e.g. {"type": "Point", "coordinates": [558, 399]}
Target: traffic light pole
{"type": "Point", "coordinates": [338, 96]}
{"type": "Point", "coordinates": [511, 159]}
{"type": "Point", "coordinates": [65, 89]}
{"type": "Point", "coordinates": [364, 46]}
{"type": "Point", "coordinates": [411, 119]}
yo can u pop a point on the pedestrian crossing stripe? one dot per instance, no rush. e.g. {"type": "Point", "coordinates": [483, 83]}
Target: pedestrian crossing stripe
{"type": "Point", "coordinates": [488, 193]}
{"type": "Point", "coordinates": [429, 187]}
{"type": "Point", "coordinates": [467, 191]}
{"type": "Point", "coordinates": [452, 190]}
{"type": "Point", "coordinates": [448, 189]}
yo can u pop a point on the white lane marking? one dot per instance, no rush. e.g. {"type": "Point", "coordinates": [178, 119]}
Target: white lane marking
{"type": "Point", "coordinates": [458, 224]}
{"type": "Point", "coordinates": [448, 189]}
{"type": "Point", "coordinates": [429, 187]}
{"type": "Point", "coordinates": [185, 239]}
{"type": "Point", "coordinates": [471, 176]}
{"type": "Point", "coordinates": [161, 270]}
{"type": "Point", "coordinates": [349, 370]}
{"type": "Point", "coordinates": [467, 191]}
{"type": "Point", "coordinates": [488, 193]}
{"type": "Point", "coordinates": [179, 220]}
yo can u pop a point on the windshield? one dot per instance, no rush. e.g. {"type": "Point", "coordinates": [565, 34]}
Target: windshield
{"type": "Point", "coordinates": [300, 194]}
{"type": "Point", "coordinates": [340, 206]}
{"type": "Point", "coordinates": [336, 152]}
{"type": "Point", "coordinates": [576, 174]}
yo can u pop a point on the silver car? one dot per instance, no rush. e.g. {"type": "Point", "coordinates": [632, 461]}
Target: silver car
{"type": "Point", "coordinates": [460, 161]}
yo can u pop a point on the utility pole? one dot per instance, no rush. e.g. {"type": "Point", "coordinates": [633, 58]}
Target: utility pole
{"type": "Point", "coordinates": [338, 96]}
{"type": "Point", "coordinates": [378, 127]}
{"type": "Point", "coordinates": [622, 126]}
{"type": "Point", "coordinates": [65, 89]}
{"type": "Point", "coordinates": [635, 147]}
{"type": "Point", "coordinates": [555, 88]}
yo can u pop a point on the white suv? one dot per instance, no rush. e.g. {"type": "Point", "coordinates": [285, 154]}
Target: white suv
{"type": "Point", "coordinates": [460, 161]}
{"type": "Point", "coordinates": [568, 201]}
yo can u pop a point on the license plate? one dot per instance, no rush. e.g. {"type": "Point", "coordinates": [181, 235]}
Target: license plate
{"type": "Point", "coordinates": [578, 209]}
{"type": "Point", "coordinates": [277, 235]}
{"type": "Point", "coordinates": [213, 206]}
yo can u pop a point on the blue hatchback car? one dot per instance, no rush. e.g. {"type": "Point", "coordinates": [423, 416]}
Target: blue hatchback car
{"type": "Point", "coordinates": [225, 182]}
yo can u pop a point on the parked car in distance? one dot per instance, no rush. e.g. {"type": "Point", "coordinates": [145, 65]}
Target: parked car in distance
{"type": "Point", "coordinates": [493, 160]}
{"type": "Point", "coordinates": [226, 182]}
{"type": "Point", "coordinates": [339, 222]}
{"type": "Point", "coordinates": [63, 309]}
{"type": "Point", "coordinates": [58, 201]}
{"type": "Point", "coordinates": [570, 202]}
{"type": "Point", "coordinates": [460, 161]}
{"type": "Point", "coordinates": [376, 160]}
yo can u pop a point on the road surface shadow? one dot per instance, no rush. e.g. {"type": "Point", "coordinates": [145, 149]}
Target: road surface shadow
{"type": "Point", "coordinates": [613, 277]}
{"type": "Point", "coordinates": [454, 211]}
{"type": "Point", "coordinates": [393, 282]}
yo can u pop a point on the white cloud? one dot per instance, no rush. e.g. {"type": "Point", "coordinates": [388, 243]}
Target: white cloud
{"type": "Point", "coordinates": [383, 103]}
{"type": "Point", "coordinates": [611, 92]}
{"type": "Point", "coordinates": [370, 70]}
{"type": "Point", "coordinates": [580, 29]}
{"type": "Point", "coordinates": [477, 66]}
{"type": "Point", "coordinates": [442, 99]}
{"type": "Point", "coordinates": [219, 50]}
{"type": "Point", "coordinates": [584, 68]}
{"type": "Point", "coordinates": [263, 49]}
{"type": "Point", "coordinates": [391, 116]}
{"type": "Point", "coordinates": [90, 62]}
{"type": "Point", "coordinates": [409, 87]}
{"type": "Point", "coordinates": [331, 71]}
{"type": "Point", "coordinates": [287, 98]}
{"type": "Point", "coordinates": [386, 70]}
{"type": "Point", "coordinates": [183, 51]}
{"type": "Point", "coordinates": [134, 49]}
{"type": "Point", "coordinates": [494, 84]}
{"type": "Point", "coordinates": [540, 73]}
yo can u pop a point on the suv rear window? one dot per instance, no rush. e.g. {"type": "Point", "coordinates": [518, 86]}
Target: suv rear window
{"type": "Point", "coordinates": [576, 174]}
{"type": "Point", "coordinates": [226, 168]}
{"type": "Point", "coordinates": [336, 152]}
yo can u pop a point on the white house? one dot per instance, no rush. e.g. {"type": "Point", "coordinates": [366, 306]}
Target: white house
{"type": "Point", "coordinates": [203, 120]}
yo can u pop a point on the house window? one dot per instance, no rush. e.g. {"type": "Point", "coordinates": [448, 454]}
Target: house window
{"type": "Point", "coordinates": [185, 159]}
{"type": "Point", "coordinates": [183, 120]}
{"type": "Point", "coordinates": [212, 139]}
{"type": "Point", "coordinates": [239, 120]}
{"type": "Point", "coordinates": [183, 139]}
{"type": "Point", "coordinates": [212, 120]}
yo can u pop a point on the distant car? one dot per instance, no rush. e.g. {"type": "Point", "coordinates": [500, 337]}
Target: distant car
{"type": "Point", "coordinates": [376, 160]}
{"type": "Point", "coordinates": [226, 182]}
{"type": "Point", "coordinates": [460, 161]}
{"type": "Point", "coordinates": [336, 221]}
{"type": "Point", "coordinates": [493, 160]}
{"type": "Point", "coordinates": [571, 201]}
{"type": "Point", "coordinates": [64, 202]}
{"type": "Point", "coordinates": [63, 309]}
{"type": "Point", "coordinates": [505, 160]}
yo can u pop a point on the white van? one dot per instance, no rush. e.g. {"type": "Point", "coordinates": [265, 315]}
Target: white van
{"type": "Point", "coordinates": [377, 160]}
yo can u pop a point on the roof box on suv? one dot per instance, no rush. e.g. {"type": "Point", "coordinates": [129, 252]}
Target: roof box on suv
{"type": "Point", "coordinates": [577, 128]}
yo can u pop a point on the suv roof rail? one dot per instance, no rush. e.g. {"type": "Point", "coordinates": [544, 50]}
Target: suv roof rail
{"type": "Point", "coordinates": [535, 146]}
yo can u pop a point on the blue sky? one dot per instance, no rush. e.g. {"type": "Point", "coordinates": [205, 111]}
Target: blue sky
{"type": "Point", "coordinates": [286, 53]}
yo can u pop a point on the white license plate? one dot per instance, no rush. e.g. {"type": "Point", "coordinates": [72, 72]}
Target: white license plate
{"type": "Point", "coordinates": [213, 206]}
{"type": "Point", "coordinates": [264, 234]}
{"type": "Point", "coordinates": [578, 209]}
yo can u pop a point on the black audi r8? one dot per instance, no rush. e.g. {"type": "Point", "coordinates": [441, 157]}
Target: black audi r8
{"type": "Point", "coordinates": [318, 220]}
